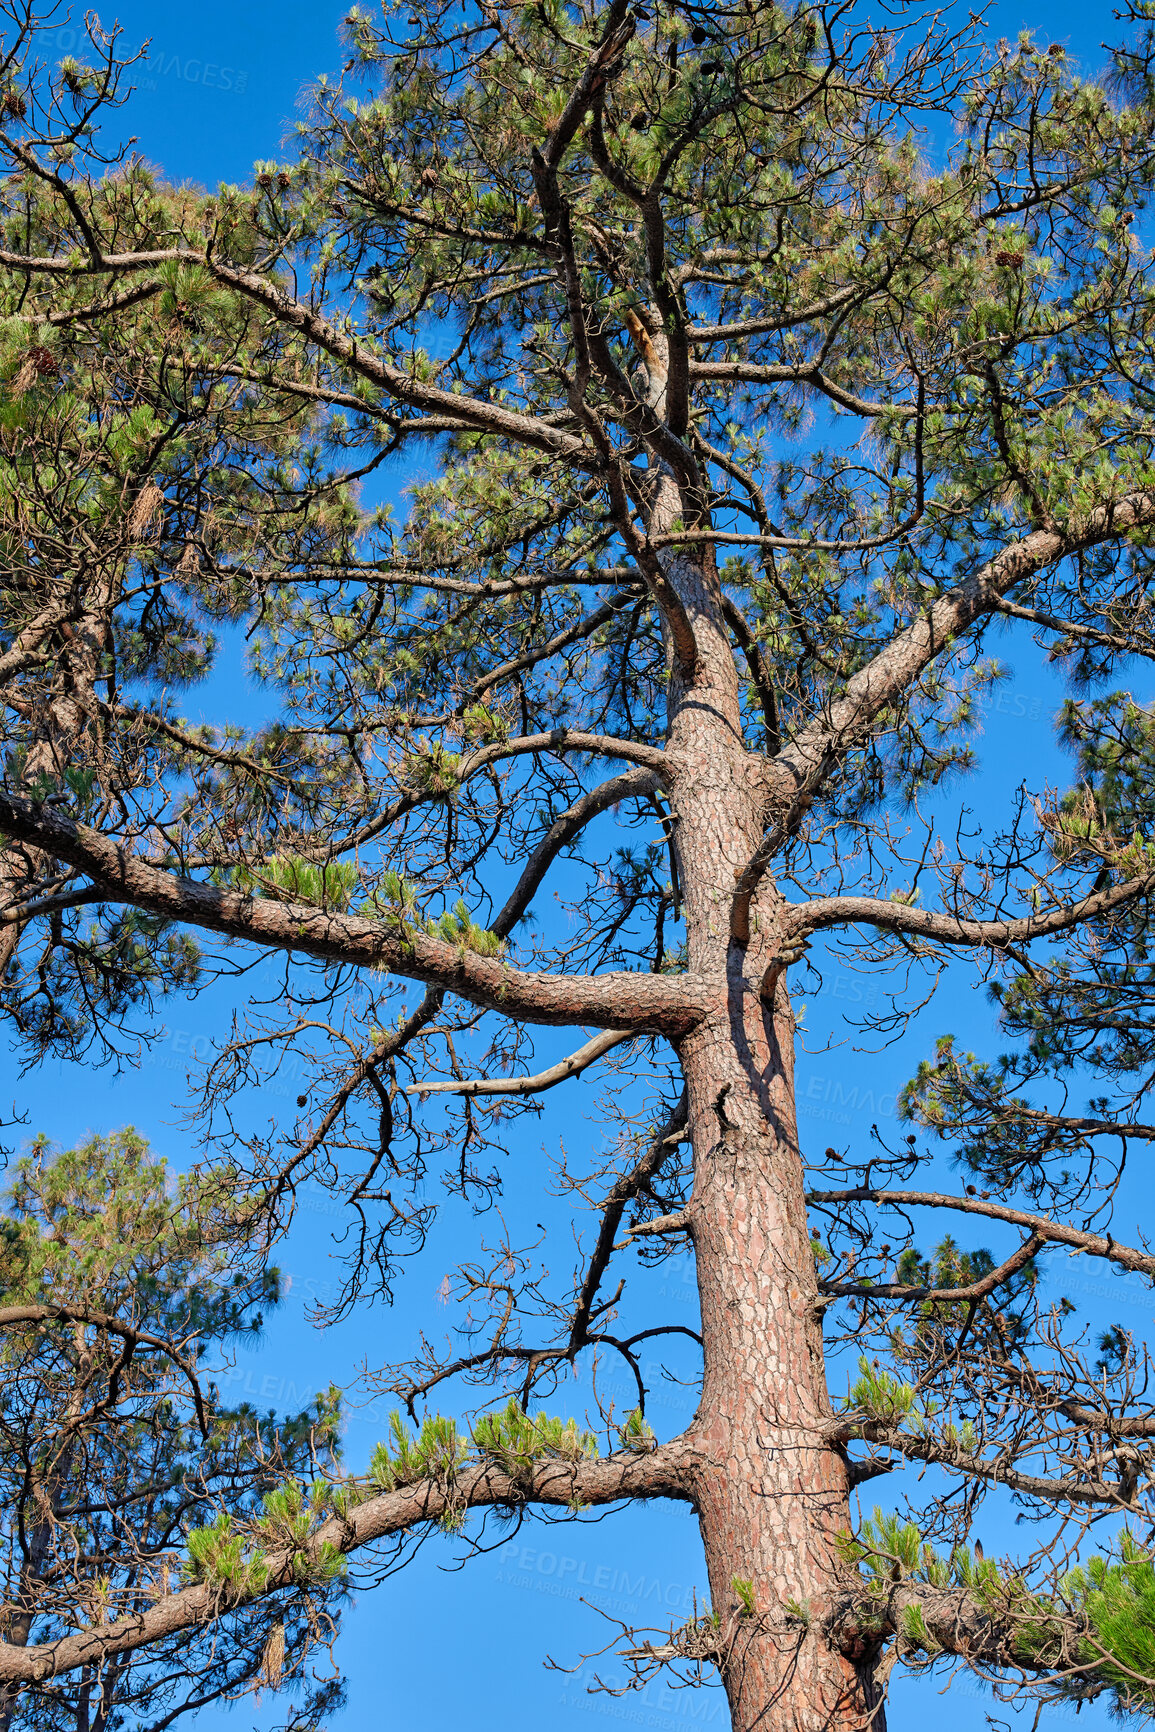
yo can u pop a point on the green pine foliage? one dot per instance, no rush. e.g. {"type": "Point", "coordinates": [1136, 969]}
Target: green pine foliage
{"type": "Point", "coordinates": [881, 1395]}
{"type": "Point", "coordinates": [456, 926]}
{"type": "Point", "coordinates": [332, 884]}
{"type": "Point", "coordinates": [1116, 1596]}
{"type": "Point", "coordinates": [635, 1432]}
{"type": "Point", "coordinates": [436, 1452]}
{"type": "Point", "coordinates": [218, 1554]}
{"type": "Point", "coordinates": [513, 1440]}
{"type": "Point", "coordinates": [517, 1442]}
{"type": "Point", "coordinates": [150, 1479]}
{"type": "Point", "coordinates": [1096, 1630]}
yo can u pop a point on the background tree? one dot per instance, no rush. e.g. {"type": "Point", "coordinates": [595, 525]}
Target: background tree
{"type": "Point", "coordinates": [122, 1471]}
{"type": "Point", "coordinates": [748, 410]}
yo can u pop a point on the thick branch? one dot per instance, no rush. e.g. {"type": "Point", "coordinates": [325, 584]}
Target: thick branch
{"type": "Point", "coordinates": [976, 1290]}
{"type": "Point", "coordinates": [658, 1473]}
{"type": "Point", "coordinates": [803, 766]}
{"type": "Point", "coordinates": [661, 1004]}
{"type": "Point", "coordinates": [943, 928]}
{"type": "Point", "coordinates": [679, 1223]}
{"type": "Point", "coordinates": [1054, 1232]}
{"type": "Point", "coordinates": [955, 1619]}
{"type": "Point", "coordinates": [1091, 1492]}
{"type": "Point", "coordinates": [800, 770]}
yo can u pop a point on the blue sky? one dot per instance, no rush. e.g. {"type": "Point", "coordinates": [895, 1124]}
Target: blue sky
{"type": "Point", "coordinates": [219, 89]}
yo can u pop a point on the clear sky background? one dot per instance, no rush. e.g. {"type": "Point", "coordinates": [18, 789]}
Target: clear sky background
{"type": "Point", "coordinates": [438, 1645]}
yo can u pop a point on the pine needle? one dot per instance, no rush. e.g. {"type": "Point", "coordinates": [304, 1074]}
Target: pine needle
{"type": "Point", "coordinates": [25, 378]}
{"type": "Point", "coordinates": [273, 1657]}
{"type": "Point", "coordinates": [145, 510]}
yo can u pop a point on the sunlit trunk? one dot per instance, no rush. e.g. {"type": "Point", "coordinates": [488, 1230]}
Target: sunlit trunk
{"type": "Point", "coordinates": [771, 1490]}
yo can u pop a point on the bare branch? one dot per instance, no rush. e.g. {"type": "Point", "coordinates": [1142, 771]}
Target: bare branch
{"type": "Point", "coordinates": [127, 1332]}
{"type": "Point", "coordinates": [529, 1085]}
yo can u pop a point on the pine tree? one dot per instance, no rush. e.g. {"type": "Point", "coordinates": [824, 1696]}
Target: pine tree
{"type": "Point", "coordinates": [126, 1480]}
{"type": "Point", "coordinates": [753, 371]}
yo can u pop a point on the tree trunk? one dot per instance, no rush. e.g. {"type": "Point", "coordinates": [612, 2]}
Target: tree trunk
{"type": "Point", "coordinates": [771, 1489]}
{"type": "Point", "coordinates": [66, 715]}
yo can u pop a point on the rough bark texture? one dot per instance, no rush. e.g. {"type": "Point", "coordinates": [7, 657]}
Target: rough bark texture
{"type": "Point", "coordinates": [771, 1492]}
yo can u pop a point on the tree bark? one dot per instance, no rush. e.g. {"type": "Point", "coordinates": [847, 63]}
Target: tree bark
{"type": "Point", "coordinates": [68, 719]}
{"type": "Point", "coordinates": [772, 1493]}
